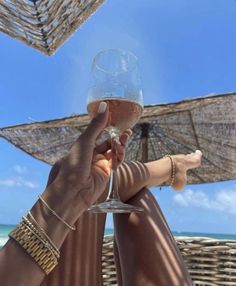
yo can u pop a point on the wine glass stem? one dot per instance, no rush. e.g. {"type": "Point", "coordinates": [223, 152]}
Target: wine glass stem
{"type": "Point", "coordinates": [113, 190]}
{"type": "Point", "coordinates": [113, 186]}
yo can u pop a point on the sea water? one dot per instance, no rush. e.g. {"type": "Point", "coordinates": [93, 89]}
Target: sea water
{"type": "Point", "coordinates": [5, 229]}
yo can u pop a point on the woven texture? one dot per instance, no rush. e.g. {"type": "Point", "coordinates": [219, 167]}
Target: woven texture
{"type": "Point", "coordinates": [44, 24]}
{"type": "Point", "coordinates": [207, 123]}
{"type": "Point", "coordinates": [210, 262]}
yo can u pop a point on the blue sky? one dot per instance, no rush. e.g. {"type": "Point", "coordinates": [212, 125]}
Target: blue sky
{"type": "Point", "coordinates": [186, 49]}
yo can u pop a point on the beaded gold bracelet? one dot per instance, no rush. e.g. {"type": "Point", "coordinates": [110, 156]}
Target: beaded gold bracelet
{"type": "Point", "coordinates": [45, 243]}
{"type": "Point", "coordinates": [172, 178]}
{"type": "Point", "coordinates": [38, 232]}
{"type": "Point", "coordinates": [42, 231]}
{"type": "Point", "coordinates": [37, 247]}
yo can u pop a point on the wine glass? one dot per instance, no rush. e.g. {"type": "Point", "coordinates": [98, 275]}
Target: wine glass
{"type": "Point", "coordinates": [115, 80]}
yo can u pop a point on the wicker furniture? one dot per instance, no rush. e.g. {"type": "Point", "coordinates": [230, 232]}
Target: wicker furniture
{"type": "Point", "coordinates": [44, 24]}
{"type": "Point", "coordinates": [210, 262]}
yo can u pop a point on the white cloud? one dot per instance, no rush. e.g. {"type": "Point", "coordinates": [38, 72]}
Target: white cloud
{"type": "Point", "coordinates": [228, 198]}
{"type": "Point", "coordinates": [19, 169]}
{"type": "Point", "coordinates": [18, 182]}
{"type": "Point", "coordinates": [8, 183]}
{"type": "Point", "coordinates": [223, 201]}
{"type": "Point", "coordinates": [30, 184]}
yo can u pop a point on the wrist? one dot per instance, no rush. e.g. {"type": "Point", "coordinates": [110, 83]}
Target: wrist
{"type": "Point", "coordinates": [56, 230]}
{"type": "Point", "coordinates": [66, 200]}
{"type": "Point", "coordinates": [66, 208]}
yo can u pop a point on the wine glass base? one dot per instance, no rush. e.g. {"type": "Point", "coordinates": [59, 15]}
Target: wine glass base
{"type": "Point", "coordinates": [114, 206]}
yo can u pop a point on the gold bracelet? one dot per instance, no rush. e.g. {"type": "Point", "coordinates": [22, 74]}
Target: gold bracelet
{"type": "Point", "coordinates": [41, 232]}
{"type": "Point", "coordinates": [34, 246]}
{"type": "Point", "coordinates": [42, 239]}
{"type": "Point", "coordinates": [56, 215]}
{"type": "Point", "coordinates": [172, 178]}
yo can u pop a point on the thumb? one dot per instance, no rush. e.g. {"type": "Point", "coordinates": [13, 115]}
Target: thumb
{"type": "Point", "coordinates": [82, 150]}
{"type": "Point", "coordinates": [84, 146]}
{"type": "Point", "coordinates": [97, 124]}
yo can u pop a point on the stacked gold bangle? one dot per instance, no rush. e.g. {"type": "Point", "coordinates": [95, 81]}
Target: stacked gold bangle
{"type": "Point", "coordinates": [36, 243]}
{"type": "Point", "coordinates": [172, 178]}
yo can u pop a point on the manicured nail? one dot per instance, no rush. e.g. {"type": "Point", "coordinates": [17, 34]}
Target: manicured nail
{"type": "Point", "coordinates": [198, 152]}
{"type": "Point", "coordinates": [102, 107]}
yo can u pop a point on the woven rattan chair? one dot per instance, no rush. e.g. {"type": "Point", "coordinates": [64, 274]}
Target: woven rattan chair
{"type": "Point", "coordinates": [210, 262]}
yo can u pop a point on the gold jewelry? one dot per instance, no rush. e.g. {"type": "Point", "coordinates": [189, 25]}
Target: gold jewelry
{"type": "Point", "coordinates": [172, 178]}
{"type": "Point", "coordinates": [37, 247]}
{"type": "Point", "coordinates": [56, 215]}
{"type": "Point", "coordinates": [41, 232]}
{"type": "Point", "coordinates": [42, 239]}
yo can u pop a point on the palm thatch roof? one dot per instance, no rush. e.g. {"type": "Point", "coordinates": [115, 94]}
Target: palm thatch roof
{"type": "Point", "coordinates": [44, 24]}
{"type": "Point", "coordinates": [206, 123]}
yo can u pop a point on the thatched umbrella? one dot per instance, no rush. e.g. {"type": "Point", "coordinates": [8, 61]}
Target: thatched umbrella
{"type": "Point", "coordinates": [206, 123]}
{"type": "Point", "coordinates": [44, 24]}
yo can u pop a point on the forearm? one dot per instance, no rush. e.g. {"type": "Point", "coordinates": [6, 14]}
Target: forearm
{"type": "Point", "coordinates": [17, 267]}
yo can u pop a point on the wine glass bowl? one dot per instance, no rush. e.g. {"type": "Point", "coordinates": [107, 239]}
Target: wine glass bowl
{"type": "Point", "coordinates": [115, 74]}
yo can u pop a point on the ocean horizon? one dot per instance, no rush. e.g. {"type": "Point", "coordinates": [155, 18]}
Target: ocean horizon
{"type": "Point", "coordinates": [6, 228]}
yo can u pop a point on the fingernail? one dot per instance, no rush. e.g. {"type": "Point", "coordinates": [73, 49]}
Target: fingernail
{"type": "Point", "coordinates": [198, 152]}
{"type": "Point", "coordinates": [102, 107]}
